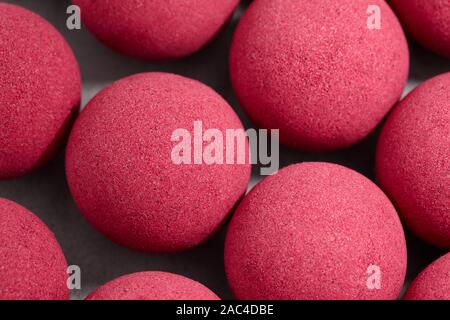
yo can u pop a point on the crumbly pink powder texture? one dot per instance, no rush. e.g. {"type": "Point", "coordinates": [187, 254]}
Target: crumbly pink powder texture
{"type": "Point", "coordinates": [311, 232]}
{"type": "Point", "coordinates": [153, 285]}
{"type": "Point", "coordinates": [412, 160]}
{"type": "Point", "coordinates": [433, 283]}
{"type": "Point", "coordinates": [314, 70]}
{"type": "Point", "coordinates": [426, 21]}
{"type": "Point", "coordinates": [156, 29]}
{"type": "Point", "coordinates": [40, 90]}
{"type": "Point", "coordinates": [121, 173]}
{"type": "Point", "coordinates": [32, 264]}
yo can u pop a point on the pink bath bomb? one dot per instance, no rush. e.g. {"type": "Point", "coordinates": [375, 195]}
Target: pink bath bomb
{"type": "Point", "coordinates": [433, 283]}
{"type": "Point", "coordinates": [427, 21]}
{"type": "Point", "coordinates": [413, 160]}
{"type": "Point", "coordinates": [316, 71]}
{"type": "Point", "coordinates": [40, 90]}
{"type": "Point", "coordinates": [153, 286]}
{"type": "Point", "coordinates": [315, 231]}
{"type": "Point", "coordinates": [156, 29]}
{"type": "Point", "coordinates": [32, 264]}
{"type": "Point", "coordinates": [121, 170]}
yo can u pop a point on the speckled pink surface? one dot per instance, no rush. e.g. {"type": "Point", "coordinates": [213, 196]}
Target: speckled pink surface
{"type": "Point", "coordinates": [40, 90]}
{"type": "Point", "coordinates": [412, 161]}
{"type": "Point", "coordinates": [32, 264]}
{"type": "Point", "coordinates": [121, 174]}
{"type": "Point", "coordinates": [153, 285]}
{"type": "Point", "coordinates": [156, 29]}
{"type": "Point", "coordinates": [427, 21]}
{"type": "Point", "coordinates": [311, 232]}
{"type": "Point", "coordinates": [314, 70]}
{"type": "Point", "coordinates": [433, 283]}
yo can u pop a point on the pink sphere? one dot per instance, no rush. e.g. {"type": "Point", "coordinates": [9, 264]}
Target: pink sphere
{"type": "Point", "coordinates": [121, 172]}
{"type": "Point", "coordinates": [316, 71]}
{"type": "Point", "coordinates": [40, 90]}
{"type": "Point", "coordinates": [427, 21]}
{"type": "Point", "coordinates": [412, 160]}
{"type": "Point", "coordinates": [315, 231]}
{"type": "Point", "coordinates": [153, 286]}
{"type": "Point", "coordinates": [156, 29]}
{"type": "Point", "coordinates": [433, 283]}
{"type": "Point", "coordinates": [32, 264]}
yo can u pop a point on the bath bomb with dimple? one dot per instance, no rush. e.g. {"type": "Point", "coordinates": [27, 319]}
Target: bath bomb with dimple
{"type": "Point", "coordinates": [40, 90]}
{"type": "Point", "coordinates": [433, 283]}
{"type": "Point", "coordinates": [315, 231]}
{"type": "Point", "coordinates": [320, 71]}
{"type": "Point", "coordinates": [32, 264]}
{"type": "Point", "coordinates": [156, 29]}
{"type": "Point", "coordinates": [153, 285]}
{"type": "Point", "coordinates": [135, 165]}
{"type": "Point", "coordinates": [413, 160]}
{"type": "Point", "coordinates": [427, 21]}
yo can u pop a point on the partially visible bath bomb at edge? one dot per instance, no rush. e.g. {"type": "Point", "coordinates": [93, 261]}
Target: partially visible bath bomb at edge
{"type": "Point", "coordinates": [40, 90]}
{"type": "Point", "coordinates": [315, 231]}
{"type": "Point", "coordinates": [427, 21]}
{"type": "Point", "coordinates": [318, 70]}
{"type": "Point", "coordinates": [433, 283]}
{"type": "Point", "coordinates": [32, 264]}
{"type": "Point", "coordinates": [413, 160]}
{"type": "Point", "coordinates": [122, 172]}
{"type": "Point", "coordinates": [153, 285]}
{"type": "Point", "coordinates": [156, 29]}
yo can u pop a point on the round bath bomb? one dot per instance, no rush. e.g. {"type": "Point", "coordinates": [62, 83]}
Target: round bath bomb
{"type": "Point", "coordinates": [433, 283]}
{"type": "Point", "coordinates": [32, 263]}
{"type": "Point", "coordinates": [153, 285]}
{"type": "Point", "coordinates": [156, 29]}
{"type": "Point", "coordinates": [427, 21]}
{"type": "Point", "coordinates": [317, 70]}
{"type": "Point", "coordinates": [315, 231]}
{"type": "Point", "coordinates": [40, 90]}
{"type": "Point", "coordinates": [135, 165]}
{"type": "Point", "coordinates": [412, 160]}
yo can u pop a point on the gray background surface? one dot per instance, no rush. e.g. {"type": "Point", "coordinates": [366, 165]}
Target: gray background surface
{"type": "Point", "coordinates": [45, 192]}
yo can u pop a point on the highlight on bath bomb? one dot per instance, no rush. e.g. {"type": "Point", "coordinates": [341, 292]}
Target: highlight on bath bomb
{"type": "Point", "coordinates": [315, 231]}
{"type": "Point", "coordinates": [428, 22]}
{"type": "Point", "coordinates": [412, 160]}
{"type": "Point", "coordinates": [153, 285]}
{"type": "Point", "coordinates": [40, 90]}
{"type": "Point", "coordinates": [433, 283]}
{"type": "Point", "coordinates": [320, 71]}
{"type": "Point", "coordinates": [156, 29]}
{"type": "Point", "coordinates": [123, 169]}
{"type": "Point", "coordinates": [32, 263]}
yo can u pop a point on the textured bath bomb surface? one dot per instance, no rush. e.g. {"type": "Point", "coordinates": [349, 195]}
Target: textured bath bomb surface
{"type": "Point", "coordinates": [413, 160]}
{"type": "Point", "coordinates": [433, 283]}
{"type": "Point", "coordinates": [427, 21]}
{"type": "Point", "coordinates": [153, 285]}
{"type": "Point", "coordinates": [120, 169]}
{"type": "Point", "coordinates": [314, 70]}
{"type": "Point", "coordinates": [32, 264]}
{"type": "Point", "coordinates": [315, 231]}
{"type": "Point", "coordinates": [40, 90]}
{"type": "Point", "coordinates": [156, 29]}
